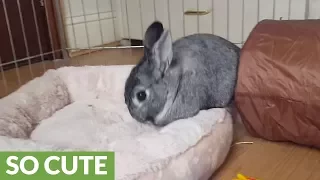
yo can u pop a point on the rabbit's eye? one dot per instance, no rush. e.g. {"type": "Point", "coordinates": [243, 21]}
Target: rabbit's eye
{"type": "Point", "coordinates": [141, 95]}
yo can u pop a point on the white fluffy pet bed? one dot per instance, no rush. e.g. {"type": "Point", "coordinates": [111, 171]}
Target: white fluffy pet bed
{"type": "Point", "coordinates": [75, 108]}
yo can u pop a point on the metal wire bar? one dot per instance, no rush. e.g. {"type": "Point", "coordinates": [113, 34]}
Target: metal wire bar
{"type": "Point", "coordinates": [155, 10]}
{"type": "Point", "coordinates": [141, 19]}
{"type": "Point", "coordinates": [38, 34]}
{"type": "Point", "coordinates": [212, 11]}
{"type": "Point", "coordinates": [73, 29]}
{"type": "Point", "coordinates": [184, 19]}
{"type": "Point", "coordinates": [24, 37]}
{"type": "Point", "coordinates": [198, 18]}
{"type": "Point", "coordinates": [111, 47]}
{"type": "Point", "coordinates": [35, 56]}
{"type": "Point", "coordinates": [242, 23]}
{"type": "Point", "coordinates": [274, 9]}
{"type": "Point", "coordinates": [99, 20]}
{"type": "Point", "coordinates": [258, 11]}
{"type": "Point", "coordinates": [49, 29]}
{"type": "Point", "coordinates": [128, 26]}
{"type": "Point", "coordinates": [93, 20]}
{"type": "Point", "coordinates": [169, 15]}
{"type": "Point", "coordinates": [4, 80]}
{"type": "Point", "coordinates": [86, 25]}
{"type": "Point", "coordinates": [228, 20]}
{"type": "Point", "coordinates": [306, 12]}
{"type": "Point", "coordinates": [100, 25]}
{"type": "Point", "coordinates": [11, 42]}
{"type": "Point", "coordinates": [114, 25]}
{"type": "Point", "coordinates": [72, 24]}
{"type": "Point", "coordinates": [122, 19]}
{"type": "Point", "coordinates": [61, 29]}
{"type": "Point", "coordinates": [289, 10]}
{"type": "Point", "coordinates": [89, 14]}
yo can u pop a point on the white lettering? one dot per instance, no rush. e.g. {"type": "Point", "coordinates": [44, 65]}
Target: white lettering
{"type": "Point", "coordinates": [13, 165]}
{"type": "Point", "coordinates": [74, 165]}
{"type": "Point", "coordinates": [86, 160]}
{"type": "Point", "coordinates": [35, 165]}
{"type": "Point", "coordinates": [47, 165]}
{"type": "Point", "coordinates": [99, 165]}
{"type": "Point", "coordinates": [29, 165]}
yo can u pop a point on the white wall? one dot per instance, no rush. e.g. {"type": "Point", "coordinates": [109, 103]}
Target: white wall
{"type": "Point", "coordinates": [232, 19]}
{"type": "Point", "coordinates": [314, 9]}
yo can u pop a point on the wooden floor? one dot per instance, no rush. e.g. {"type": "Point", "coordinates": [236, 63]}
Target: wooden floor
{"type": "Point", "coordinates": [262, 159]}
{"type": "Point", "coordinates": [267, 160]}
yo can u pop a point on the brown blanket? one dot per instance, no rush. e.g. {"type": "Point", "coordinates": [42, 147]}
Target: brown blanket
{"type": "Point", "coordinates": [278, 91]}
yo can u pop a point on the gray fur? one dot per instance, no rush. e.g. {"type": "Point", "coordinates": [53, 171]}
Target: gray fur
{"type": "Point", "coordinates": [194, 73]}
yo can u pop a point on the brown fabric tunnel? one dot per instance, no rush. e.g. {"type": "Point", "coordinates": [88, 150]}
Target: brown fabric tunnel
{"type": "Point", "coordinates": [278, 90]}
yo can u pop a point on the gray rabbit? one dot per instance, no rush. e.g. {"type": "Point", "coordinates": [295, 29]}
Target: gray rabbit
{"type": "Point", "coordinates": [176, 80]}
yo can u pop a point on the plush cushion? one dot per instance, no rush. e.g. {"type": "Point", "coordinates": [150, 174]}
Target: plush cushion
{"type": "Point", "coordinates": [74, 108]}
{"type": "Point", "coordinates": [278, 90]}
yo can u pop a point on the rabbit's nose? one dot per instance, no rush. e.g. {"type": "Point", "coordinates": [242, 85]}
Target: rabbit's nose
{"type": "Point", "coordinates": [150, 119]}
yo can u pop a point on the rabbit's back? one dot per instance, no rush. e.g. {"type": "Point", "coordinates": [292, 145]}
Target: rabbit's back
{"type": "Point", "coordinates": [210, 66]}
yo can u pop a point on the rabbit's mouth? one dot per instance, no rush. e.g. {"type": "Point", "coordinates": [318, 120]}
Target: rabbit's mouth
{"type": "Point", "coordinates": [150, 119]}
{"type": "Point", "coordinates": [161, 123]}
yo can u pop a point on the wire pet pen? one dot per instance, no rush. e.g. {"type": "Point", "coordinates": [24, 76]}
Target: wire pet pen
{"type": "Point", "coordinates": [39, 33]}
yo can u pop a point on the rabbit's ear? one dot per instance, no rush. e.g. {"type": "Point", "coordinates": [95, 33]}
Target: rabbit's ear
{"type": "Point", "coordinates": [152, 35]}
{"type": "Point", "coordinates": [163, 52]}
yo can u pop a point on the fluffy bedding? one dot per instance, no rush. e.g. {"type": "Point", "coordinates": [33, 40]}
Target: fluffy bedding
{"type": "Point", "coordinates": [82, 108]}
